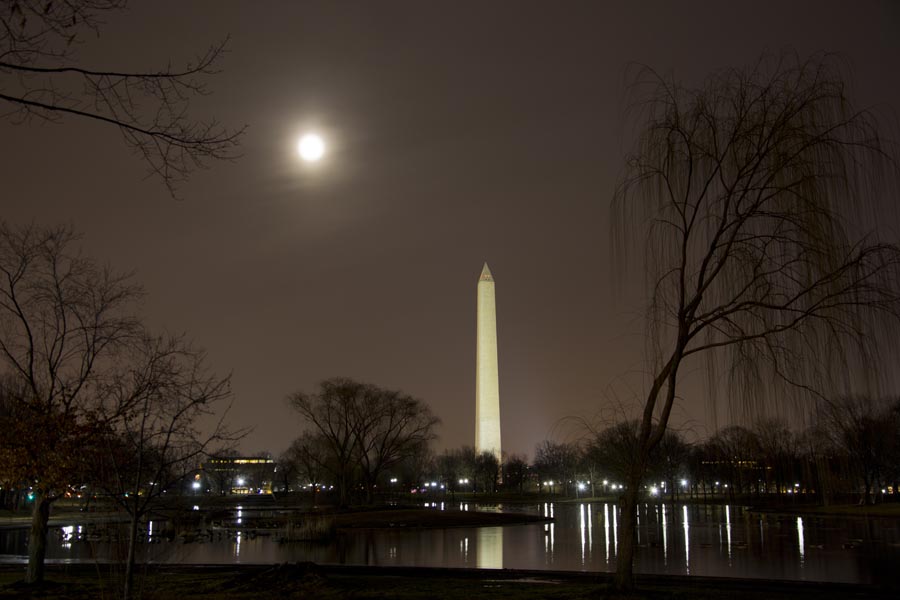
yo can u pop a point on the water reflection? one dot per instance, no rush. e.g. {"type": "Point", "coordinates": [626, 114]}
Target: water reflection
{"type": "Point", "coordinates": [615, 532]}
{"type": "Point", "coordinates": [714, 544]}
{"type": "Point", "coordinates": [638, 529]}
{"type": "Point", "coordinates": [728, 530]}
{"type": "Point", "coordinates": [687, 545]}
{"type": "Point", "coordinates": [582, 528]}
{"type": "Point", "coordinates": [489, 551]}
{"type": "Point", "coordinates": [590, 530]}
{"type": "Point", "coordinates": [606, 529]}
{"type": "Point", "coordinates": [665, 541]}
{"type": "Point", "coordinates": [549, 533]}
{"type": "Point", "coordinates": [66, 535]}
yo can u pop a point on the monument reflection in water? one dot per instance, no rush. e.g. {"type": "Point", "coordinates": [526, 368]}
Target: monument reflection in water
{"type": "Point", "coordinates": [490, 548]}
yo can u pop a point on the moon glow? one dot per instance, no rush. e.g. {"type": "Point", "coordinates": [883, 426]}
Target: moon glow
{"type": "Point", "coordinates": [311, 147]}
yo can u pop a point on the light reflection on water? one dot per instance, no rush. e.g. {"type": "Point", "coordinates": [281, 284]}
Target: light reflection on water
{"type": "Point", "coordinates": [717, 541]}
{"type": "Point", "coordinates": [615, 531]}
{"type": "Point", "coordinates": [728, 530]}
{"type": "Point", "coordinates": [590, 529]}
{"type": "Point", "coordinates": [687, 537]}
{"type": "Point", "coordinates": [606, 529]}
{"type": "Point", "coordinates": [664, 536]}
{"type": "Point", "coordinates": [582, 527]}
{"type": "Point", "coordinates": [549, 533]}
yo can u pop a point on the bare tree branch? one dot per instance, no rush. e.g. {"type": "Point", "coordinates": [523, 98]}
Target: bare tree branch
{"type": "Point", "coordinates": [151, 109]}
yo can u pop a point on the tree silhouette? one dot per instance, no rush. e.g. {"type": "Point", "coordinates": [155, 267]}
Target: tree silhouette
{"type": "Point", "coordinates": [363, 429]}
{"type": "Point", "coordinates": [153, 406]}
{"type": "Point", "coordinates": [745, 204]}
{"type": "Point", "coordinates": [63, 318]}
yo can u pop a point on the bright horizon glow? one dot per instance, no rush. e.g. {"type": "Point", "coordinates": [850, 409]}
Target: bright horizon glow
{"type": "Point", "coordinates": [311, 147]}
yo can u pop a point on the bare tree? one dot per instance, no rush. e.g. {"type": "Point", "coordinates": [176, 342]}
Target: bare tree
{"type": "Point", "coordinates": [310, 452]}
{"type": "Point", "coordinates": [448, 467]}
{"type": "Point", "coordinates": [613, 449]}
{"type": "Point", "coordinates": [515, 473]}
{"type": "Point", "coordinates": [669, 461]}
{"type": "Point", "coordinates": [330, 414]}
{"type": "Point", "coordinates": [557, 462]}
{"type": "Point", "coordinates": [409, 471]}
{"type": "Point", "coordinates": [288, 469]}
{"type": "Point", "coordinates": [365, 428]}
{"type": "Point", "coordinates": [486, 472]}
{"type": "Point", "coordinates": [63, 318]}
{"type": "Point", "coordinates": [778, 453]}
{"type": "Point", "coordinates": [817, 452]}
{"type": "Point", "coordinates": [155, 407]}
{"type": "Point", "coordinates": [865, 430]}
{"type": "Point", "coordinates": [746, 202]}
{"type": "Point", "coordinates": [41, 78]}
{"type": "Point", "coordinates": [388, 426]}
{"type": "Point", "coordinates": [732, 451]}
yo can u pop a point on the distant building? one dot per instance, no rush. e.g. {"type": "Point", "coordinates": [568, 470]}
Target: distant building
{"type": "Point", "coordinates": [239, 474]}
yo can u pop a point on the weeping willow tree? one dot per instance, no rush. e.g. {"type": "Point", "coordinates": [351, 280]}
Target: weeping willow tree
{"type": "Point", "coordinates": [750, 204]}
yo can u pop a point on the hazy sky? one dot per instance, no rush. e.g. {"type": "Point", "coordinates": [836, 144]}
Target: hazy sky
{"type": "Point", "coordinates": [458, 133]}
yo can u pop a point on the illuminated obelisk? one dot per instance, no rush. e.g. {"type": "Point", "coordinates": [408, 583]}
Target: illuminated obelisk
{"type": "Point", "coordinates": [487, 381]}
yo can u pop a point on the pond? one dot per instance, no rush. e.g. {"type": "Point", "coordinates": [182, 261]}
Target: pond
{"type": "Point", "coordinates": [708, 540]}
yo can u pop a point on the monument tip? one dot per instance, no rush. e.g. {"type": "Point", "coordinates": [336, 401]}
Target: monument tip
{"type": "Point", "coordinates": [486, 274]}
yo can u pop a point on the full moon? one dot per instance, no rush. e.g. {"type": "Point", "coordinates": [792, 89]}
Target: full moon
{"type": "Point", "coordinates": [311, 147]}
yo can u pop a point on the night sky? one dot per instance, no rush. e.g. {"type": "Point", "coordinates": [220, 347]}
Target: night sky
{"type": "Point", "coordinates": [458, 133]}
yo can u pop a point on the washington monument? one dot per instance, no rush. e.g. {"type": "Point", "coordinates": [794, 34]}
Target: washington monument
{"type": "Point", "coordinates": [487, 382]}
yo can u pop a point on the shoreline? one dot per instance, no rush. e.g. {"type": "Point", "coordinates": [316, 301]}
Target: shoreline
{"type": "Point", "coordinates": [339, 581]}
{"type": "Point", "coordinates": [411, 516]}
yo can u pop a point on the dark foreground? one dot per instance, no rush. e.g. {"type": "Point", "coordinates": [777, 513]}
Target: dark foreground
{"type": "Point", "coordinates": [84, 582]}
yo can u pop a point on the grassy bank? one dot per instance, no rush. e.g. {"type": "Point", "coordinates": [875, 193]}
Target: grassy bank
{"type": "Point", "coordinates": [312, 581]}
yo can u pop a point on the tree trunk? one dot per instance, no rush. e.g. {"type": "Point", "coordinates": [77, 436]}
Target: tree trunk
{"type": "Point", "coordinates": [130, 560]}
{"type": "Point", "coordinates": [370, 492]}
{"type": "Point", "coordinates": [343, 494]}
{"type": "Point", "coordinates": [37, 539]}
{"type": "Point", "coordinates": [624, 579]}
